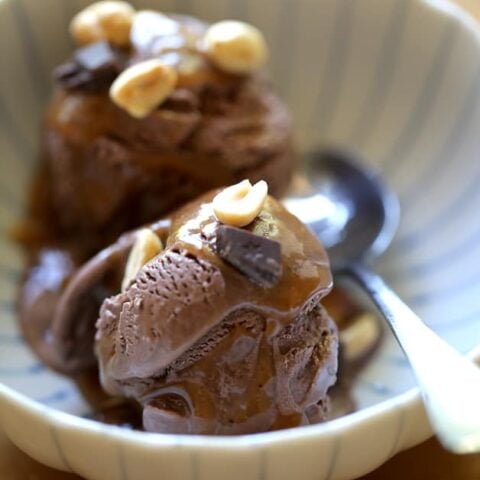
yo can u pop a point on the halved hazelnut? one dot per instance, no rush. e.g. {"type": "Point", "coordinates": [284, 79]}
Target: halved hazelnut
{"type": "Point", "coordinates": [240, 204]}
{"type": "Point", "coordinates": [360, 337]}
{"type": "Point", "coordinates": [143, 87]}
{"type": "Point", "coordinates": [106, 20]}
{"type": "Point", "coordinates": [235, 47]}
{"type": "Point", "coordinates": [147, 246]}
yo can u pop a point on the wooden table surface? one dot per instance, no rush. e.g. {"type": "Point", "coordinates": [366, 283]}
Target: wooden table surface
{"type": "Point", "coordinates": [425, 462]}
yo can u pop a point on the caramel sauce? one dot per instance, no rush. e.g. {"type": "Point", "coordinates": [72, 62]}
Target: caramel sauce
{"type": "Point", "coordinates": [68, 116]}
{"type": "Point", "coordinates": [306, 269]}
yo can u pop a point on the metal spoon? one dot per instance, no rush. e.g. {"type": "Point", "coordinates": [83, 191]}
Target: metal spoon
{"type": "Point", "coordinates": [355, 215]}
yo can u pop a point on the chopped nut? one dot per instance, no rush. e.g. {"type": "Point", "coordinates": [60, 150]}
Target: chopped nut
{"type": "Point", "coordinates": [235, 47]}
{"type": "Point", "coordinates": [240, 204]}
{"type": "Point", "coordinates": [146, 246]}
{"type": "Point", "coordinates": [143, 87]}
{"type": "Point", "coordinates": [359, 338]}
{"type": "Point", "coordinates": [106, 20]}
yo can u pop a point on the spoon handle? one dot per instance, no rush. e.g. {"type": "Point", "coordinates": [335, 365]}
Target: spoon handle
{"type": "Point", "coordinates": [449, 382]}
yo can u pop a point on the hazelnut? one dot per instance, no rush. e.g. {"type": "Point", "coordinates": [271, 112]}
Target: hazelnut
{"type": "Point", "coordinates": [235, 47]}
{"type": "Point", "coordinates": [360, 336]}
{"type": "Point", "coordinates": [141, 88]}
{"type": "Point", "coordinates": [107, 20]}
{"type": "Point", "coordinates": [240, 204]}
{"type": "Point", "coordinates": [147, 246]}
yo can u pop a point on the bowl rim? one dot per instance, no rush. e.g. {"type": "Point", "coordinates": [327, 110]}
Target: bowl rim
{"type": "Point", "coordinates": [407, 401]}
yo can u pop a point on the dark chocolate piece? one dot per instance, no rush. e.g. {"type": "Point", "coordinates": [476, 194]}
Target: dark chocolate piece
{"type": "Point", "coordinates": [93, 68]}
{"type": "Point", "coordinates": [259, 258]}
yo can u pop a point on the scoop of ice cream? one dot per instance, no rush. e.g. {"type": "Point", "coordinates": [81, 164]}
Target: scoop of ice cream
{"type": "Point", "coordinates": [110, 172]}
{"type": "Point", "coordinates": [205, 349]}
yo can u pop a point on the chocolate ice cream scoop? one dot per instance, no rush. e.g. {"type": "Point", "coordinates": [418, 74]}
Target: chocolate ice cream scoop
{"type": "Point", "coordinates": [205, 349]}
{"type": "Point", "coordinates": [109, 171]}
{"type": "Point", "coordinates": [221, 332]}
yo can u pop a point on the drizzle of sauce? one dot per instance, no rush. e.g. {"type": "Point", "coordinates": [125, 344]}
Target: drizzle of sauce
{"type": "Point", "coordinates": [306, 269]}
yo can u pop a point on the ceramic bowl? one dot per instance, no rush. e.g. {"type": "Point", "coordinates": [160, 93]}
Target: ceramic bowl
{"type": "Point", "coordinates": [396, 80]}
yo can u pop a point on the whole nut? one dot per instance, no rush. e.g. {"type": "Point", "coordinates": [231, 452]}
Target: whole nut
{"type": "Point", "coordinates": [143, 87]}
{"type": "Point", "coordinates": [240, 204]}
{"type": "Point", "coordinates": [106, 20]}
{"type": "Point", "coordinates": [359, 338]}
{"type": "Point", "coordinates": [235, 47]}
{"type": "Point", "coordinates": [147, 246]}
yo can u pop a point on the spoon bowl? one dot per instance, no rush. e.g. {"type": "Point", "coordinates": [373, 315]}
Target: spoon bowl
{"type": "Point", "coordinates": [347, 206]}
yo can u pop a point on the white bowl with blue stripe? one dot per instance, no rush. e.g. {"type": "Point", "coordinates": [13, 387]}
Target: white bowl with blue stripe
{"type": "Point", "coordinates": [397, 80]}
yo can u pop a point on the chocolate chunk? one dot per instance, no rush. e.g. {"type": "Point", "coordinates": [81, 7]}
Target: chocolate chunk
{"type": "Point", "coordinates": [93, 68]}
{"type": "Point", "coordinates": [259, 258]}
